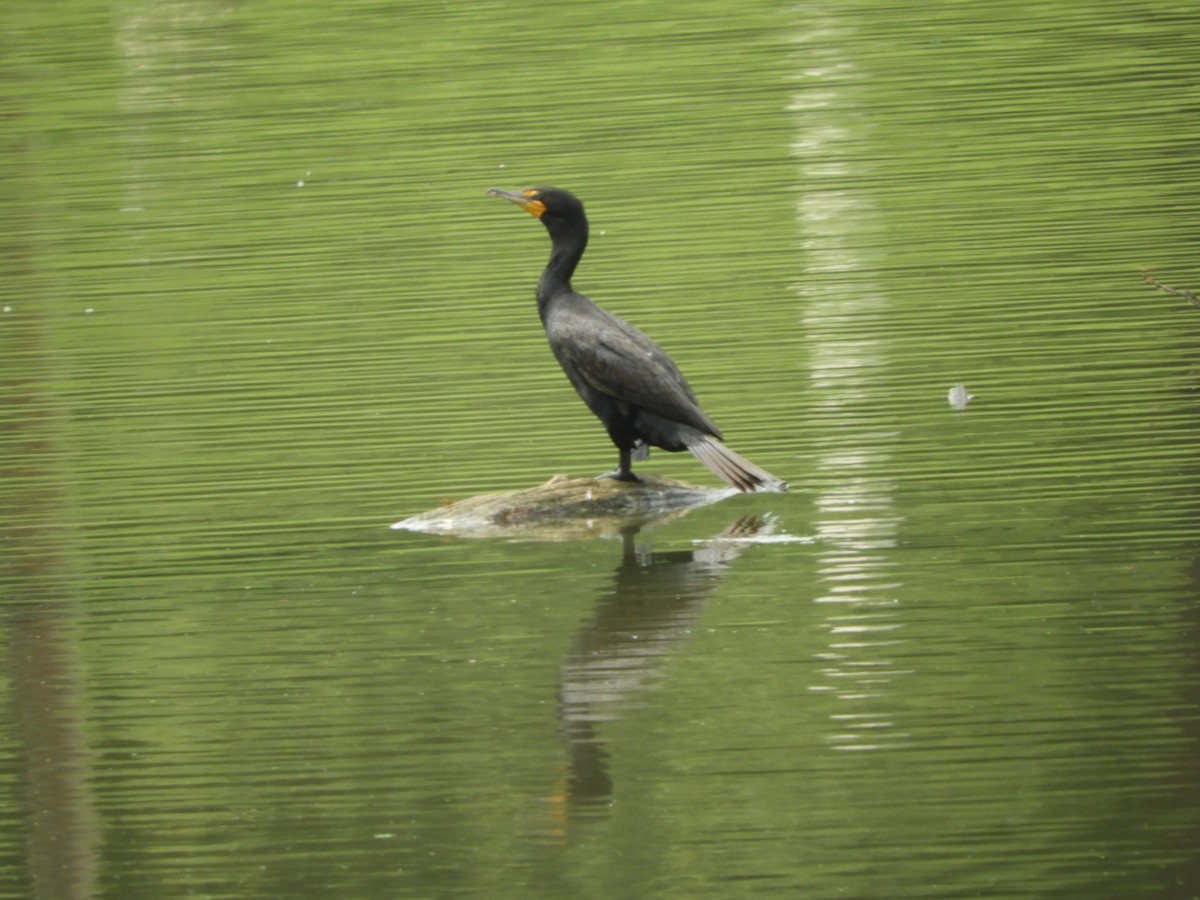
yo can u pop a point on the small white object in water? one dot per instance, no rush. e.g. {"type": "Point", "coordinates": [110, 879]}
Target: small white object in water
{"type": "Point", "coordinates": [959, 396]}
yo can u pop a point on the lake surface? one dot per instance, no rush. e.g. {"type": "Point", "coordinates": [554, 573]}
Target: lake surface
{"type": "Point", "coordinates": [256, 308]}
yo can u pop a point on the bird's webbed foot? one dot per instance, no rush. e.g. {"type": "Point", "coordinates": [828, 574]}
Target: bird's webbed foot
{"type": "Point", "coordinates": [619, 474]}
{"type": "Point", "coordinates": [624, 469]}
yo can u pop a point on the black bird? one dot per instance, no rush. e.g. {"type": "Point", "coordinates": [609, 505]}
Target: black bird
{"type": "Point", "coordinates": [623, 376]}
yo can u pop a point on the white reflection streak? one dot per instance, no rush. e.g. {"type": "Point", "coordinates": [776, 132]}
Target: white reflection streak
{"type": "Point", "coordinates": [856, 518]}
{"type": "Point", "coordinates": [161, 45]}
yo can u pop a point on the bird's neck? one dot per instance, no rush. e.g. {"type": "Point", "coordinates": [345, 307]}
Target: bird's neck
{"type": "Point", "coordinates": [556, 278]}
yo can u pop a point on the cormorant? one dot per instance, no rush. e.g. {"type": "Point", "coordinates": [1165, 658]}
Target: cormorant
{"type": "Point", "coordinates": [623, 376]}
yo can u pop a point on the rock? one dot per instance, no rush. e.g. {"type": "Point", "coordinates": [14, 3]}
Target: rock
{"type": "Point", "coordinates": [566, 508]}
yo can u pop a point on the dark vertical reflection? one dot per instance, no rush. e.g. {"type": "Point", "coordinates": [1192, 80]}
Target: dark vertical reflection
{"type": "Point", "coordinates": [648, 613]}
{"type": "Point", "coordinates": [56, 828]}
{"type": "Point", "coordinates": [46, 692]}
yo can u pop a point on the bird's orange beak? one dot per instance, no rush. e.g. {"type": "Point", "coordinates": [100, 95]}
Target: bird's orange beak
{"type": "Point", "coordinates": [523, 199]}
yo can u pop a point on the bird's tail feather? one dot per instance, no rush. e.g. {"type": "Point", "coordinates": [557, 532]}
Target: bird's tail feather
{"type": "Point", "coordinates": [733, 468]}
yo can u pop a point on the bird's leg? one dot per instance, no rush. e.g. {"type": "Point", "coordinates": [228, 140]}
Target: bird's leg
{"type": "Point", "coordinates": [624, 469]}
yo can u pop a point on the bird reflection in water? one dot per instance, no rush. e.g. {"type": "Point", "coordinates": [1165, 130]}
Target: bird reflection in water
{"type": "Point", "coordinates": [649, 612]}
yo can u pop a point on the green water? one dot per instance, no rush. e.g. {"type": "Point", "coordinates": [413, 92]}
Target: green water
{"type": "Point", "coordinates": [256, 309]}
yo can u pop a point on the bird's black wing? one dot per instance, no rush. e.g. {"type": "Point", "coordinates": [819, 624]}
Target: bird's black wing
{"type": "Point", "coordinates": [616, 359]}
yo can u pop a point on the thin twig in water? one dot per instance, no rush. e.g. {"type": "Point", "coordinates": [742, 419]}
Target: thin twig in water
{"type": "Point", "coordinates": [1178, 292]}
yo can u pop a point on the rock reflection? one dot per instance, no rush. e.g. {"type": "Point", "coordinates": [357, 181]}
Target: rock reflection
{"type": "Point", "coordinates": [649, 612]}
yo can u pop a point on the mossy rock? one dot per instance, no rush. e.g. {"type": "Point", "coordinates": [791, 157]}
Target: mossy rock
{"type": "Point", "coordinates": [566, 508]}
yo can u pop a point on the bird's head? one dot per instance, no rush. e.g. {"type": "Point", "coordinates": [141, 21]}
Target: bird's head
{"type": "Point", "coordinates": [554, 207]}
